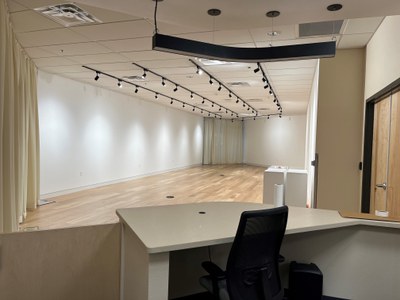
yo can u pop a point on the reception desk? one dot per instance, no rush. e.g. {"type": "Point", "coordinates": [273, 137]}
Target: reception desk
{"type": "Point", "coordinates": [162, 248]}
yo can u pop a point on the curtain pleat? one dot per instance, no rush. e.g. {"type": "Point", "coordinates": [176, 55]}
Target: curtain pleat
{"type": "Point", "coordinates": [223, 141]}
{"type": "Point", "coordinates": [19, 129]}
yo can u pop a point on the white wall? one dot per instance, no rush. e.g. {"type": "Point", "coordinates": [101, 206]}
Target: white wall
{"type": "Point", "coordinates": [383, 56]}
{"type": "Point", "coordinates": [277, 141]}
{"type": "Point", "coordinates": [90, 135]}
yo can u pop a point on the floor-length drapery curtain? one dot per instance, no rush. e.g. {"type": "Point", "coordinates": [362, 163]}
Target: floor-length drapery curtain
{"type": "Point", "coordinates": [19, 129]}
{"type": "Point", "coordinates": [223, 141]}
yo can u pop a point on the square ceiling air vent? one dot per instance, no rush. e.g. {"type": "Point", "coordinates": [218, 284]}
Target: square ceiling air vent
{"type": "Point", "coordinates": [320, 28]}
{"type": "Point", "coordinates": [68, 14]}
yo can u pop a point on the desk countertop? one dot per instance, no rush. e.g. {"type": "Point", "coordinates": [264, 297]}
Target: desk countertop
{"type": "Point", "coordinates": [183, 226]}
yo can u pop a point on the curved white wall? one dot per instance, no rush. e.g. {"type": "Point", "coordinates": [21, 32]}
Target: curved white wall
{"type": "Point", "coordinates": [90, 135]}
{"type": "Point", "coordinates": [277, 141]}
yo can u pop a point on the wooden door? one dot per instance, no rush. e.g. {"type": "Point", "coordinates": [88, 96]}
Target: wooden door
{"type": "Point", "coordinates": [385, 175]}
{"type": "Point", "coordinates": [380, 155]}
{"type": "Point", "coordinates": [394, 159]}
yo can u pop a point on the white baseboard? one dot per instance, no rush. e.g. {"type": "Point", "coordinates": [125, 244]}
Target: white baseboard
{"type": "Point", "coordinates": [91, 186]}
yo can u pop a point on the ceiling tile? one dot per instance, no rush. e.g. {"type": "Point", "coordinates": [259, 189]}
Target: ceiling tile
{"type": "Point", "coordinates": [127, 45]}
{"type": "Point", "coordinates": [52, 61]}
{"type": "Point", "coordinates": [63, 69]}
{"type": "Point", "coordinates": [107, 16]}
{"type": "Point", "coordinates": [116, 31]}
{"type": "Point", "coordinates": [150, 55]}
{"type": "Point", "coordinates": [38, 52]}
{"type": "Point", "coordinates": [14, 6]}
{"type": "Point", "coordinates": [77, 49]}
{"type": "Point", "coordinates": [110, 67]}
{"type": "Point", "coordinates": [49, 37]}
{"type": "Point", "coordinates": [29, 20]}
{"type": "Point", "coordinates": [287, 32]}
{"type": "Point", "coordinates": [99, 58]}
{"type": "Point", "coordinates": [363, 25]}
{"type": "Point", "coordinates": [354, 40]}
{"type": "Point", "coordinates": [176, 63]}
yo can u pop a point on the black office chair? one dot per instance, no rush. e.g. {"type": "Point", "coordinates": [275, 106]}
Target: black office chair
{"type": "Point", "coordinates": [252, 270]}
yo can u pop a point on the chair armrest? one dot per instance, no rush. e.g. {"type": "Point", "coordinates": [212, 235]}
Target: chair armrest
{"type": "Point", "coordinates": [281, 259]}
{"type": "Point", "coordinates": [213, 270]}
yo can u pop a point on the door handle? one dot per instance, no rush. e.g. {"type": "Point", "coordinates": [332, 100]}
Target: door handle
{"type": "Point", "coordinates": [382, 186]}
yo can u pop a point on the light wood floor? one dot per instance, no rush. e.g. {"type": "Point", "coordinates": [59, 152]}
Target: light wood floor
{"type": "Point", "coordinates": [240, 183]}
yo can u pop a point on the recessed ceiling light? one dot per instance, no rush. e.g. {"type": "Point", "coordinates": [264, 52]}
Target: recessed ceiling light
{"type": "Point", "coordinates": [273, 14]}
{"type": "Point", "coordinates": [214, 12]}
{"type": "Point", "coordinates": [335, 7]}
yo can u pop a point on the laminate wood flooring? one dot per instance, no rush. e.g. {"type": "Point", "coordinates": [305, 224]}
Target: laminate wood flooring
{"type": "Point", "coordinates": [241, 183]}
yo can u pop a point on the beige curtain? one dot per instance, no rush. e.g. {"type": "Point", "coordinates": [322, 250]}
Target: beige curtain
{"type": "Point", "coordinates": [19, 135]}
{"type": "Point", "coordinates": [223, 141]}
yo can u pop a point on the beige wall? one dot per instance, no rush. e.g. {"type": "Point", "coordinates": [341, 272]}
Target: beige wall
{"type": "Point", "coordinates": [76, 263]}
{"type": "Point", "coordinates": [383, 56]}
{"type": "Point", "coordinates": [339, 130]}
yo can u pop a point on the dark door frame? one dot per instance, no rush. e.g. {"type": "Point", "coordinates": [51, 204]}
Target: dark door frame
{"type": "Point", "coordinates": [368, 141]}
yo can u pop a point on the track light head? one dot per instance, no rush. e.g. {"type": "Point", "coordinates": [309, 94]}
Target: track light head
{"type": "Point", "coordinates": [264, 80]}
{"type": "Point", "coordinates": [97, 76]}
{"type": "Point", "coordinates": [199, 71]}
{"type": "Point", "coordinates": [156, 96]}
{"type": "Point", "coordinates": [266, 86]}
{"type": "Point", "coordinates": [191, 95]}
{"type": "Point", "coordinates": [237, 100]}
{"type": "Point", "coordinates": [219, 88]}
{"type": "Point", "coordinates": [172, 101]}
{"type": "Point", "coordinates": [144, 73]}
{"type": "Point", "coordinates": [119, 83]}
{"type": "Point", "coordinates": [163, 81]}
{"type": "Point", "coordinates": [194, 108]}
{"type": "Point", "coordinates": [230, 94]}
{"type": "Point", "coordinates": [202, 102]}
{"type": "Point", "coordinates": [212, 104]}
{"type": "Point", "coordinates": [209, 114]}
{"type": "Point", "coordinates": [270, 92]}
{"type": "Point", "coordinates": [176, 88]}
{"type": "Point", "coordinates": [211, 81]}
{"type": "Point", "coordinates": [136, 89]}
{"type": "Point", "coordinates": [256, 70]}
{"type": "Point", "coordinates": [183, 105]}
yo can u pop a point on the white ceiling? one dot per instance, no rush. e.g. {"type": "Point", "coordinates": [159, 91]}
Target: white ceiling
{"type": "Point", "coordinates": [124, 36]}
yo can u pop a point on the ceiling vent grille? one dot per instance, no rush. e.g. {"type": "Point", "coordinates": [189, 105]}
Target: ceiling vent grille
{"type": "Point", "coordinates": [68, 14]}
{"type": "Point", "coordinates": [239, 83]}
{"type": "Point", "coordinates": [320, 28]}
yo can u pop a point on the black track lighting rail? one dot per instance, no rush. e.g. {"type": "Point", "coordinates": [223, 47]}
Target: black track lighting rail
{"type": "Point", "coordinates": [267, 84]}
{"type": "Point", "coordinates": [156, 93]}
{"type": "Point", "coordinates": [220, 84]}
{"type": "Point", "coordinates": [192, 93]}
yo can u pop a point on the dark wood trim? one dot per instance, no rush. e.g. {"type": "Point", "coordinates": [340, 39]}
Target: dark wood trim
{"type": "Point", "coordinates": [367, 162]}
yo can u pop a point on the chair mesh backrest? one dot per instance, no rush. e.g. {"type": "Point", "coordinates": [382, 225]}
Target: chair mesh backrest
{"type": "Point", "coordinates": [252, 268]}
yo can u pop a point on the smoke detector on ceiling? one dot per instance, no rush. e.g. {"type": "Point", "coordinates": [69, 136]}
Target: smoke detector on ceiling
{"type": "Point", "coordinates": [68, 14]}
